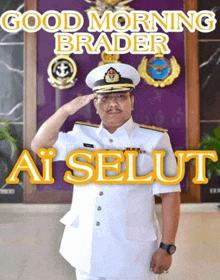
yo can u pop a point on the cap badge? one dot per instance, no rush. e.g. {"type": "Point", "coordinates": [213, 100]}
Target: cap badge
{"type": "Point", "coordinates": [112, 76]}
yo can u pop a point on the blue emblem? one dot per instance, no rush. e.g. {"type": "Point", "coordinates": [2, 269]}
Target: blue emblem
{"type": "Point", "coordinates": [159, 68]}
{"type": "Point", "coordinates": [159, 71]}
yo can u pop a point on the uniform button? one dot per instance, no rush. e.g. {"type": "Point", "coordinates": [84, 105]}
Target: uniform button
{"type": "Point", "coordinates": [99, 208]}
{"type": "Point", "coordinates": [97, 224]}
{"type": "Point", "coordinates": [100, 193]}
{"type": "Point", "coordinates": [110, 140]}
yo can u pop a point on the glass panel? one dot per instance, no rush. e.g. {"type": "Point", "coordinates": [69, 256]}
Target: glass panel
{"type": "Point", "coordinates": [213, 5]}
{"type": "Point", "coordinates": [210, 89]}
{"type": "Point", "coordinates": [11, 81]}
{"type": "Point", "coordinates": [210, 80]}
{"type": "Point", "coordinates": [11, 100]}
{"type": "Point", "coordinates": [207, 128]}
{"type": "Point", "coordinates": [6, 5]}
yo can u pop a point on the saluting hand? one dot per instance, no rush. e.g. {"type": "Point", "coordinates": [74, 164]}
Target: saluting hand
{"type": "Point", "coordinates": [161, 261]}
{"type": "Point", "coordinates": [78, 102]}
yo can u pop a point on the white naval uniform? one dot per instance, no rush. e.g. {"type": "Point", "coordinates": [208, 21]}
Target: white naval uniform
{"type": "Point", "coordinates": [112, 230]}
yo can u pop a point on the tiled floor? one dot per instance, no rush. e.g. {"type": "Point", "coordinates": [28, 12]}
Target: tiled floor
{"type": "Point", "coordinates": [30, 236]}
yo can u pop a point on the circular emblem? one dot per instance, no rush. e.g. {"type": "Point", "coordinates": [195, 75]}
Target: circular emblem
{"type": "Point", "coordinates": [159, 68]}
{"type": "Point", "coordinates": [159, 71]}
{"type": "Point", "coordinates": [62, 72]}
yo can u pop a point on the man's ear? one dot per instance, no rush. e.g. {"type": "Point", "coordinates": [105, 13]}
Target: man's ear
{"type": "Point", "coordinates": [132, 101]}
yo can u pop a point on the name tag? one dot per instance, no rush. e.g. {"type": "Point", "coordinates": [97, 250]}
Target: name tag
{"type": "Point", "coordinates": [88, 145]}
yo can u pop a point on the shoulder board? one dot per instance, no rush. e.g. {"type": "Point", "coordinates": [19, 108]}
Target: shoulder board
{"type": "Point", "coordinates": [153, 128]}
{"type": "Point", "coordinates": [87, 124]}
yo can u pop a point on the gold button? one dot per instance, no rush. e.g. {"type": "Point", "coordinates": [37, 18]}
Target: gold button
{"type": "Point", "coordinates": [100, 193]}
{"type": "Point", "coordinates": [99, 208]}
{"type": "Point", "coordinates": [97, 223]}
{"type": "Point", "coordinates": [110, 140]}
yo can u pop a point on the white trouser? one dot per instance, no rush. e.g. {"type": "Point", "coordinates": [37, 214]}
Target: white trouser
{"type": "Point", "coordinates": [81, 275]}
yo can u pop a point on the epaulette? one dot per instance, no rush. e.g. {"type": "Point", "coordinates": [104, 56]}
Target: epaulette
{"type": "Point", "coordinates": [87, 123]}
{"type": "Point", "coordinates": [153, 127]}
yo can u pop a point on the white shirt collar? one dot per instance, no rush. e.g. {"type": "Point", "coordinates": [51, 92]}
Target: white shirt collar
{"type": "Point", "coordinates": [127, 126]}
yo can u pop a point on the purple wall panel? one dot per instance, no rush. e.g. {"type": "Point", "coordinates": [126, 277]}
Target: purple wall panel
{"type": "Point", "coordinates": [164, 107]}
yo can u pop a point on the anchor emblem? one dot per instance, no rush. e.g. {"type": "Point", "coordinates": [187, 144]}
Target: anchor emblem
{"type": "Point", "coordinates": [62, 72]}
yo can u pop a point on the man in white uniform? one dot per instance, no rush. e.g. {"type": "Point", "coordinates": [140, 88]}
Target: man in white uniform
{"type": "Point", "coordinates": [111, 230]}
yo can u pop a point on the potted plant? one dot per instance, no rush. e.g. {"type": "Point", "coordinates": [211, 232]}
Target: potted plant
{"type": "Point", "coordinates": [5, 160]}
{"type": "Point", "coordinates": [211, 191]}
{"type": "Point", "coordinates": [212, 142]}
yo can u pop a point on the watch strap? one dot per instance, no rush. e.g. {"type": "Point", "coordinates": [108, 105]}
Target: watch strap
{"type": "Point", "coordinates": [170, 248]}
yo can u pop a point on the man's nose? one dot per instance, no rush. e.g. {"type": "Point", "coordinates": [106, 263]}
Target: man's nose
{"type": "Point", "coordinates": [113, 101]}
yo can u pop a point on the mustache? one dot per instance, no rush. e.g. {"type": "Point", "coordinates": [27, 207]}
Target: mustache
{"type": "Point", "coordinates": [113, 110]}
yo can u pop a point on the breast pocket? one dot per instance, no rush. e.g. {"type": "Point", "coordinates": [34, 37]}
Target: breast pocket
{"type": "Point", "coordinates": [144, 164]}
{"type": "Point", "coordinates": [140, 224]}
{"type": "Point", "coordinates": [71, 219]}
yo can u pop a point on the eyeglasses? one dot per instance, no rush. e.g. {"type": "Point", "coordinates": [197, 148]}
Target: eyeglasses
{"type": "Point", "coordinates": [120, 97]}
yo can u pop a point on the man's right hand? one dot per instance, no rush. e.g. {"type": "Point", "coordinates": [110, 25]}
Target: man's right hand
{"type": "Point", "coordinates": [48, 132]}
{"type": "Point", "coordinates": [74, 105]}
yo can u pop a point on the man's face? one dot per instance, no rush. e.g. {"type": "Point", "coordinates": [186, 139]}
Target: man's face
{"type": "Point", "coordinates": [114, 109]}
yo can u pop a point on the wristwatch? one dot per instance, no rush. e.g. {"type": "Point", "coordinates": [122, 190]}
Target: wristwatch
{"type": "Point", "coordinates": [170, 248]}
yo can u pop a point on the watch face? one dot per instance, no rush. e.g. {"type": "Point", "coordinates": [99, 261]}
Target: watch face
{"type": "Point", "coordinates": [172, 249]}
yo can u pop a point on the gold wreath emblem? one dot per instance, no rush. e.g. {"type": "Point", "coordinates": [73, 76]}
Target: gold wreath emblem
{"type": "Point", "coordinates": [110, 2]}
{"type": "Point", "coordinates": [108, 58]}
{"type": "Point", "coordinates": [100, 6]}
{"type": "Point", "coordinates": [62, 72]}
{"type": "Point", "coordinates": [142, 69]}
{"type": "Point", "coordinates": [112, 76]}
